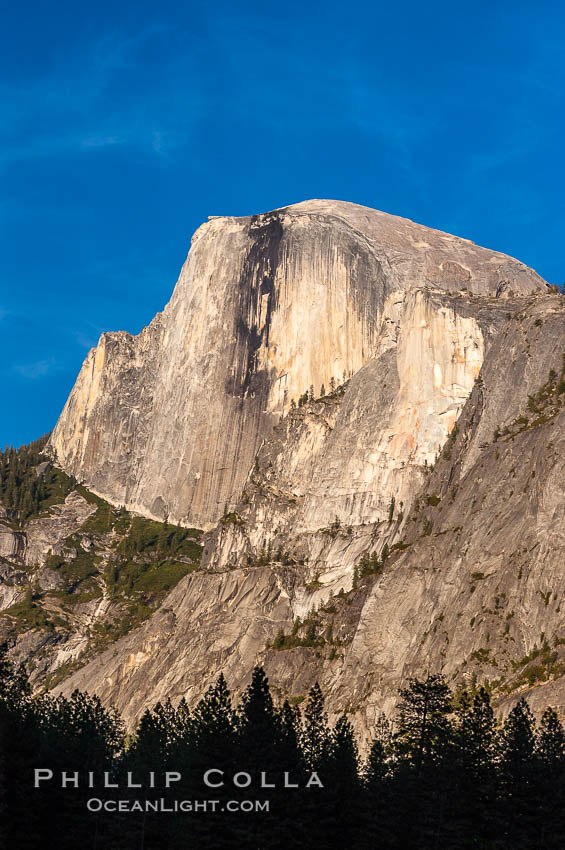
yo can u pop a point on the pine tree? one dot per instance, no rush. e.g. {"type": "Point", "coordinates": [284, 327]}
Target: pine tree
{"type": "Point", "coordinates": [377, 775]}
{"type": "Point", "coordinates": [289, 731]}
{"type": "Point", "coordinates": [551, 742]}
{"type": "Point", "coordinates": [4, 814]}
{"type": "Point", "coordinates": [150, 744]}
{"type": "Point", "coordinates": [20, 750]}
{"type": "Point", "coordinates": [550, 784]}
{"type": "Point", "coordinates": [215, 747]}
{"type": "Point", "coordinates": [423, 720]}
{"type": "Point", "coordinates": [291, 829]}
{"type": "Point", "coordinates": [259, 750]}
{"type": "Point", "coordinates": [474, 781]}
{"type": "Point", "coordinates": [517, 746]}
{"type": "Point", "coordinates": [215, 718]}
{"type": "Point", "coordinates": [316, 734]}
{"type": "Point", "coordinates": [342, 803]}
{"type": "Point", "coordinates": [423, 747]}
{"type": "Point", "coordinates": [257, 724]}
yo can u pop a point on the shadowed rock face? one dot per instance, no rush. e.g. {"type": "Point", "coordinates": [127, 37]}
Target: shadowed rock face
{"type": "Point", "coordinates": [169, 422]}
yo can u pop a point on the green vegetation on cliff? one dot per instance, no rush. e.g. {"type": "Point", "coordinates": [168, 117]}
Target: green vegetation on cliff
{"type": "Point", "coordinates": [29, 483]}
{"type": "Point", "coordinates": [124, 561]}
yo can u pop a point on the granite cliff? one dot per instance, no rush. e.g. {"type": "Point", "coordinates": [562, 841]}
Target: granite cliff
{"type": "Point", "coordinates": [168, 423]}
{"type": "Point", "coordinates": [367, 417]}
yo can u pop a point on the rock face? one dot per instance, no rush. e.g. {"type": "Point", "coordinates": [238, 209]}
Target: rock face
{"type": "Point", "coordinates": [32, 545]}
{"type": "Point", "coordinates": [438, 438]}
{"type": "Point", "coordinates": [12, 543]}
{"type": "Point", "coordinates": [475, 585]}
{"type": "Point", "coordinates": [212, 622]}
{"type": "Point", "coordinates": [345, 460]}
{"type": "Point", "coordinates": [168, 423]}
{"type": "Point", "coordinates": [481, 586]}
{"type": "Point", "coordinates": [45, 536]}
{"type": "Point", "coordinates": [63, 597]}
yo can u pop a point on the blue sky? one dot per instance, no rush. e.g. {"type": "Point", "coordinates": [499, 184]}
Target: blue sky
{"type": "Point", "coordinates": [123, 126]}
